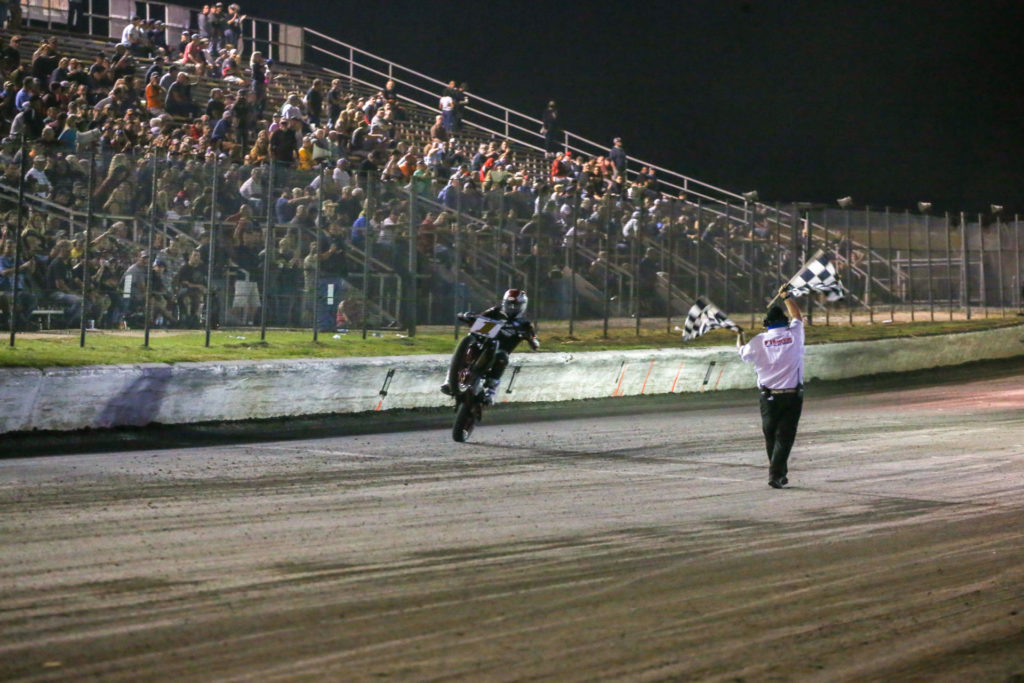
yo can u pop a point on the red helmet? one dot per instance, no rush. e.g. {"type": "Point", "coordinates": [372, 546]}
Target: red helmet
{"type": "Point", "coordinates": [513, 304]}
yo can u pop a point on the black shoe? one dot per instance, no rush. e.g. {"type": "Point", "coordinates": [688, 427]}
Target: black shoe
{"type": "Point", "coordinates": [784, 481]}
{"type": "Point", "coordinates": [777, 483]}
{"type": "Point", "coordinates": [446, 389]}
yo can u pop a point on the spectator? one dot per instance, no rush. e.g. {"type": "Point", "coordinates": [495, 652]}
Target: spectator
{"type": "Point", "coordinates": [461, 98]}
{"type": "Point", "coordinates": [284, 207]}
{"type": "Point", "coordinates": [332, 253]}
{"type": "Point", "coordinates": [551, 128]}
{"type": "Point", "coordinates": [203, 22]}
{"type": "Point", "coordinates": [10, 57]}
{"type": "Point", "coordinates": [29, 87]}
{"type": "Point", "coordinates": [253, 190]}
{"type": "Point", "coordinates": [617, 156]}
{"type": "Point", "coordinates": [157, 36]}
{"type": "Point", "coordinates": [335, 101]}
{"type": "Point", "coordinates": [36, 180]}
{"type": "Point", "coordinates": [61, 289]}
{"type": "Point", "coordinates": [179, 98]}
{"type": "Point", "coordinates": [231, 71]}
{"type": "Point", "coordinates": [217, 23]}
{"type": "Point", "coordinates": [447, 107]}
{"type": "Point", "coordinates": [190, 287]}
{"type": "Point", "coordinates": [215, 105]}
{"type": "Point", "coordinates": [29, 122]}
{"type": "Point", "coordinates": [233, 27]}
{"type": "Point", "coordinates": [68, 138]}
{"type": "Point", "coordinates": [44, 62]}
{"type": "Point", "coordinates": [194, 54]}
{"type": "Point", "coordinates": [438, 131]}
{"type": "Point", "coordinates": [25, 300]}
{"type": "Point", "coordinates": [260, 76]}
{"type": "Point", "coordinates": [132, 37]}
{"type": "Point", "coordinates": [315, 102]}
{"type": "Point", "coordinates": [222, 137]}
{"type": "Point", "coordinates": [156, 96]}
{"type": "Point", "coordinates": [284, 142]}
{"type": "Point", "coordinates": [157, 68]}
{"type": "Point", "coordinates": [292, 108]}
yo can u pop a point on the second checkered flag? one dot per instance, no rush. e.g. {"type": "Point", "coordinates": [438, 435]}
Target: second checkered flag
{"type": "Point", "coordinates": [703, 317]}
{"type": "Point", "coordinates": [818, 275]}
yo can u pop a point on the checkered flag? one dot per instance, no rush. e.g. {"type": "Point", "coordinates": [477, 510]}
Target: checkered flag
{"type": "Point", "coordinates": [818, 275]}
{"type": "Point", "coordinates": [703, 317]}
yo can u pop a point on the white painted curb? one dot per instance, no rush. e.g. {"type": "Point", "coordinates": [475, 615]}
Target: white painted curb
{"type": "Point", "coordinates": [122, 395]}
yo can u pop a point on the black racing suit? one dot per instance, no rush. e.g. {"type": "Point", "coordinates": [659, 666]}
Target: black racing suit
{"type": "Point", "coordinates": [509, 337]}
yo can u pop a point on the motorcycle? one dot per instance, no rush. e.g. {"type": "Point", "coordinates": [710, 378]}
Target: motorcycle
{"type": "Point", "coordinates": [469, 390]}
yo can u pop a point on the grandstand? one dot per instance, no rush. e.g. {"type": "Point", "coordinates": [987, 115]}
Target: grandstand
{"type": "Point", "coordinates": [367, 200]}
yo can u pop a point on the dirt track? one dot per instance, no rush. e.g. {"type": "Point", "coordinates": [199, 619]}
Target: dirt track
{"type": "Point", "coordinates": [643, 547]}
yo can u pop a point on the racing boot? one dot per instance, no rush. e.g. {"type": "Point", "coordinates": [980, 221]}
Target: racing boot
{"type": "Point", "coordinates": [490, 391]}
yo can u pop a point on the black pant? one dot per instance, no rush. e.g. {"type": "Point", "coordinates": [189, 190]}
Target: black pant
{"type": "Point", "coordinates": [780, 415]}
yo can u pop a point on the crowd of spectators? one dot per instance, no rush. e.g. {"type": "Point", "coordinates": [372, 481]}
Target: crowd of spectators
{"type": "Point", "coordinates": [161, 150]}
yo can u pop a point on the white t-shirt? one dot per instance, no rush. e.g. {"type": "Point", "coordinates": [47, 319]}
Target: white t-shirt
{"type": "Point", "coordinates": [778, 356]}
{"type": "Point", "coordinates": [130, 35]}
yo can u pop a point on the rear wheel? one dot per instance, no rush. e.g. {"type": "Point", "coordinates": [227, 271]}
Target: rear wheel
{"type": "Point", "coordinates": [465, 420]}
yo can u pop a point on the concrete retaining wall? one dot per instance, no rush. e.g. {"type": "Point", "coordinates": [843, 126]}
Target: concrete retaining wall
{"type": "Point", "coordinates": [121, 395]}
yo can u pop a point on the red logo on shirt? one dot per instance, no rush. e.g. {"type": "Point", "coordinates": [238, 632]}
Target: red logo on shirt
{"type": "Point", "coordinates": [781, 341]}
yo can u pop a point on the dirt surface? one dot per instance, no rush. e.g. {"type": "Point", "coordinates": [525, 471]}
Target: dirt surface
{"type": "Point", "coordinates": [603, 546]}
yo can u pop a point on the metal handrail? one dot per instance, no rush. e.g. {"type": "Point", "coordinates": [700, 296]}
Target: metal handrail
{"type": "Point", "coordinates": [575, 142]}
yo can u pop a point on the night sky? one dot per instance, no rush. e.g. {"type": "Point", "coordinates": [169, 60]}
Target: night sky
{"type": "Point", "coordinates": [891, 102]}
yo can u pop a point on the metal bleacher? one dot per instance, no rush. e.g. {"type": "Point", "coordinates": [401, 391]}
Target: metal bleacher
{"type": "Point", "coordinates": [303, 54]}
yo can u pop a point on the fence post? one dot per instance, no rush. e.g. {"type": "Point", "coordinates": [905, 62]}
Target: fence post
{"type": "Point", "coordinates": [147, 307]}
{"type": "Point", "coordinates": [928, 260]}
{"type": "Point", "coordinates": [208, 303]}
{"type": "Point", "coordinates": [1019, 286]}
{"type": "Point", "coordinates": [607, 257]}
{"type": "Point", "coordinates": [910, 263]}
{"type": "Point", "coordinates": [824, 242]}
{"type": "Point", "coordinates": [893, 279]}
{"type": "Point", "coordinates": [458, 254]}
{"type": "Point", "coordinates": [671, 228]}
{"type": "Point", "coordinates": [807, 244]}
{"type": "Point", "coordinates": [371, 207]}
{"type": "Point", "coordinates": [849, 257]}
{"type": "Point", "coordinates": [700, 239]}
{"type": "Point", "coordinates": [754, 289]}
{"type": "Point", "coordinates": [982, 284]}
{"type": "Point", "coordinates": [318, 229]}
{"type": "Point", "coordinates": [949, 266]}
{"type": "Point", "coordinates": [634, 266]}
{"type": "Point", "coordinates": [88, 240]}
{"type": "Point", "coordinates": [268, 246]}
{"type": "Point", "coordinates": [726, 271]}
{"type": "Point", "coordinates": [999, 266]}
{"type": "Point", "coordinates": [17, 240]}
{"type": "Point", "coordinates": [965, 289]}
{"type": "Point", "coordinates": [573, 258]}
{"type": "Point", "coordinates": [867, 287]}
{"type": "Point", "coordinates": [413, 305]}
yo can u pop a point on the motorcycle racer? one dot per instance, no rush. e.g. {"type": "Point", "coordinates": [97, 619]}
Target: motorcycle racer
{"type": "Point", "coordinates": [516, 329]}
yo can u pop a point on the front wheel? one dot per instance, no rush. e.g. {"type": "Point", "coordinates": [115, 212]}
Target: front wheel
{"type": "Point", "coordinates": [465, 420]}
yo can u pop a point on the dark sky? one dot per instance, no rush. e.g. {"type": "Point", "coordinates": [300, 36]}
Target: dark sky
{"type": "Point", "coordinates": [891, 102]}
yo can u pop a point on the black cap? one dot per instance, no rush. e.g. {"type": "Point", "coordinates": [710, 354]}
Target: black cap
{"type": "Point", "coordinates": [775, 316]}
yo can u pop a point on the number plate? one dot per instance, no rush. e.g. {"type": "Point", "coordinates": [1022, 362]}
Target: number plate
{"type": "Point", "coordinates": [487, 327]}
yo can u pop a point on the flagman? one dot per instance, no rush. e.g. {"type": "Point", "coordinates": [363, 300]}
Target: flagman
{"type": "Point", "coordinates": [778, 358]}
